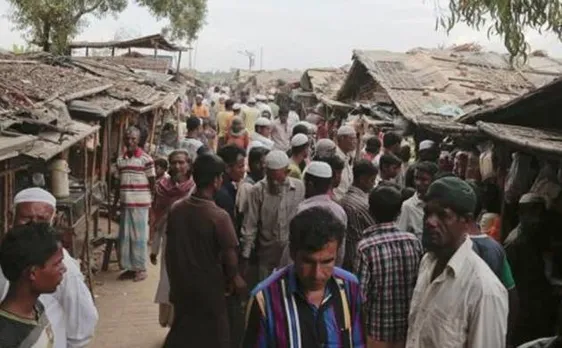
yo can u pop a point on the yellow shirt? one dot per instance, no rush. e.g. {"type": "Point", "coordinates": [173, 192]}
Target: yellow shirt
{"type": "Point", "coordinates": [250, 115]}
{"type": "Point", "coordinates": [200, 111]}
{"type": "Point", "coordinates": [295, 171]}
{"type": "Point", "coordinates": [223, 119]}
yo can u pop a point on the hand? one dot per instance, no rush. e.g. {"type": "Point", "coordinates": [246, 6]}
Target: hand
{"type": "Point", "coordinates": [240, 286]}
{"type": "Point", "coordinates": [153, 259]}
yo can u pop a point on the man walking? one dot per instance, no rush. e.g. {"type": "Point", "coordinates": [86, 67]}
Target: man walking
{"type": "Point", "coordinates": [202, 262]}
{"type": "Point", "coordinates": [458, 301]}
{"type": "Point", "coordinates": [347, 141]}
{"type": "Point", "coordinates": [135, 192]}
{"type": "Point", "coordinates": [356, 205]}
{"type": "Point", "coordinates": [311, 303]}
{"type": "Point", "coordinates": [273, 203]}
{"type": "Point", "coordinates": [281, 131]}
{"type": "Point", "coordinates": [387, 265]}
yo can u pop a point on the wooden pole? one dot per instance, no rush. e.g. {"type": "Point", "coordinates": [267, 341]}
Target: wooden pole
{"type": "Point", "coordinates": [85, 257]}
{"type": "Point", "coordinates": [109, 182]}
{"type": "Point", "coordinates": [87, 51]}
{"type": "Point", "coordinates": [153, 130]}
{"type": "Point", "coordinates": [179, 61]}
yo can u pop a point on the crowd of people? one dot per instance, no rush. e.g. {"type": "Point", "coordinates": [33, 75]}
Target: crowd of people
{"type": "Point", "coordinates": [271, 233]}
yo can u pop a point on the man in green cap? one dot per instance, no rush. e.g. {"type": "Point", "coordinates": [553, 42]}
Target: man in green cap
{"type": "Point", "coordinates": [458, 301]}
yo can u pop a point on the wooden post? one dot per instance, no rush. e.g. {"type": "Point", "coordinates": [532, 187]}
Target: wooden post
{"type": "Point", "coordinates": [179, 61]}
{"type": "Point", "coordinates": [109, 182]}
{"type": "Point", "coordinates": [87, 51]}
{"type": "Point", "coordinates": [153, 130]}
{"type": "Point", "coordinates": [113, 51]}
{"type": "Point", "coordinates": [85, 255]}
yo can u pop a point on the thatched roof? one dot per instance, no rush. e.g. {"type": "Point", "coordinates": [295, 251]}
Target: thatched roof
{"type": "Point", "coordinates": [538, 108]}
{"type": "Point", "coordinates": [449, 82]}
{"type": "Point", "coordinates": [323, 82]}
{"type": "Point", "coordinates": [543, 142]}
{"type": "Point", "coordinates": [151, 41]}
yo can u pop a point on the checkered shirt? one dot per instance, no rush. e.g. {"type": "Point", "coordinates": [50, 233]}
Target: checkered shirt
{"type": "Point", "coordinates": [387, 263]}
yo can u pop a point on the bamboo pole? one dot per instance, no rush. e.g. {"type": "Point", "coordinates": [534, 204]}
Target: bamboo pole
{"type": "Point", "coordinates": [155, 115]}
{"type": "Point", "coordinates": [109, 182]}
{"type": "Point", "coordinates": [85, 257]}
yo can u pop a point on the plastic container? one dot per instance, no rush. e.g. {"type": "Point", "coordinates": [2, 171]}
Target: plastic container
{"type": "Point", "coordinates": [59, 178]}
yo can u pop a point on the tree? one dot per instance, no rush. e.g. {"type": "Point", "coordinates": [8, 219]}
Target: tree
{"type": "Point", "coordinates": [50, 24]}
{"type": "Point", "coordinates": [507, 18]}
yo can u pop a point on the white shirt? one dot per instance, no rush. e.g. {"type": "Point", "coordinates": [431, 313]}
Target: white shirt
{"type": "Point", "coordinates": [266, 142]}
{"type": "Point", "coordinates": [465, 306]}
{"type": "Point", "coordinates": [292, 119]}
{"type": "Point", "coordinates": [346, 176]}
{"type": "Point", "coordinates": [70, 309]}
{"type": "Point", "coordinates": [411, 216]}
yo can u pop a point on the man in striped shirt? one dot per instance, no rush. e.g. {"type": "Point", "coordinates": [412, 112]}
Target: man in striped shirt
{"type": "Point", "coordinates": [387, 265]}
{"type": "Point", "coordinates": [356, 206]}
{"type": "Point", "coordinates": [135, 191]}
{"type": "Point", "coordinates": [311, 303]}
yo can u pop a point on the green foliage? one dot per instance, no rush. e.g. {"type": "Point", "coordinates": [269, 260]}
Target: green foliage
{"type": "Point", "coordinates": [507, 18]}
{"type": "Point", "coordinates": [185, 17]}
{"type": "Point", "coordinates": [50, 24]}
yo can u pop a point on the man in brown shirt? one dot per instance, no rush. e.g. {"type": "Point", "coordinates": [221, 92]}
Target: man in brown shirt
{"type": "Point", "coordinates": [202, 262]}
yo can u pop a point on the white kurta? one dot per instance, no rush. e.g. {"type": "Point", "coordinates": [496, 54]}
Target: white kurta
{"type": "Point", "coordinates": [346, 176]}
{"type": "Point", "coordinates": [70, 309]}
{"type": "Point", "coordinates": [465, 306]}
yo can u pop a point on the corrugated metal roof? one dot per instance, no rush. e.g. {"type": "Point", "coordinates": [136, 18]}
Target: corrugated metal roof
{"type": "Point", "coordinates": [451, 82]}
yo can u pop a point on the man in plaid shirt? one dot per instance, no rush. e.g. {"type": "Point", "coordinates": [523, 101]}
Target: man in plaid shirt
{"type": "Point", "coordinates": [387, 263]}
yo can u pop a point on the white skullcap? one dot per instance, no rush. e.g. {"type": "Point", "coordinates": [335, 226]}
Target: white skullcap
{"type": "Point", "coordinates": [426, 145]}
{"type": "Point", "coordinates": [224, 96]}
{"type": "Point", "coordinates": [261, 97]}
{"type": "Point", "coordinates": [36, 195]}
{"type": "Point", "coordinates": [263, 122]}
{"type": "Point", "coordinates": [271, 98]}
{"type": "Point", "coordinates": [299, 140]}
{"type": "Point", "coordinates": [199, 96]}
{"type": "Point", "coordinates": [319, 170]}
{"type": "Point", "coordinates": [276, 160]}
{"type": "Point", "coordinates": [346, 130]}
{"type": "Point", "coordinates": [325, 146]}
{"type": "Point", "coordinates": [236, 106]}
{"type": "Point", "coordinates": [256, 143]}
{"type": "Point", "coordinates": [531, 198]}
{"type": "Point", "coordinates": [252, 101]}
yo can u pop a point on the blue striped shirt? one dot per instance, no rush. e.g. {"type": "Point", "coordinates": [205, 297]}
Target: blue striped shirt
{"type": "Point", "coordinates": [279, 315]}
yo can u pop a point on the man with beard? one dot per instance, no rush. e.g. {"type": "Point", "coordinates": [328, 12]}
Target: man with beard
{"type": "Point", "coordinates": [256, 165]}
{"type": "Point", "coordinates": [347, 141]}
{"type": "Point", "coordinates": [458, 301]}
{"type": "Point", "coordinates": [263, 132]}
{"type": "Point", "coordinates": [173, 187]}
{"type": "Point", "coordinates": [411, 216]}
{"type": "Point", "coordinates": [202, 262]}
{"type": "Point", "coordinates": [273, 203]}
{"type": "Point", "coordinates": [135, 192]}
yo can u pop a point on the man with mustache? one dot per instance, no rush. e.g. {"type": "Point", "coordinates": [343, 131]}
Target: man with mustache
{"type": "Point", "coordinates": [458, 301]}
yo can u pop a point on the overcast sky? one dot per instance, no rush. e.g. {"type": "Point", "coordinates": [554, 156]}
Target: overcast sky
{"type": "Point", "coordinates": [298, 34]}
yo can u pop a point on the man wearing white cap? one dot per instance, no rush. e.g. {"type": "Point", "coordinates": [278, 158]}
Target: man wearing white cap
{"type": "Point", "coordinates": [262, 104]}
{"type": "Point", "coordinates": [299, 154]}
{"type": "Point", "coordinates": [199, 109]}
{"type": "Point", "coordinates": [325, 148]}
{"type": "Point", "coordinates": [272, 204]}
{"type": "Point", "coordinates": [263, 132]}
{"type": "Point", "coordinates": [250, 114]}
{"type": "Point", "coordinates": [70, 308]}
{"type": "Point", "coordinates": [347, 142]}
{"type": "Point", "coordinates": [317, 182]}
{"type": "Point", "coordinates": [273, 106]}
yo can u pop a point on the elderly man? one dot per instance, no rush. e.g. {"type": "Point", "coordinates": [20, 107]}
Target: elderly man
{"type": "Point", "coordinates": [263, 132]}
{"type": "Point", "coordinates": [70, 308]}
{"type": "Point", "coordinates": [458, 301]}
{"type": "Point", "coordinates": [135, 191]}
{"type": "Point", "coordinates": [325, 148]}
{"type": "Point", "coordinates": [273, 203]}
{"type": "Point", "coordinates": [347, 141]}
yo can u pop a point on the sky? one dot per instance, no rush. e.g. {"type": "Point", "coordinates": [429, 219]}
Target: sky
{"type": "Point", "coordinates": [297, 34]}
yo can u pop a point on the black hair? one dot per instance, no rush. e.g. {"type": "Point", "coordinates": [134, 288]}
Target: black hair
{"type": "Point", "coordinates": [161, 162]}
{"type": "Point", "coordinates": [25, 246]}
{"type": "Point", "coordinates": [373, 145]}
{"type": "Point", "coordinates": [427, 167]}
{"type": "Point", "coordinates": [335, 162]}
{"type": "Point", "coordinates": [256, 154]}
{"type": "Point", "coordinates": [385, 203]}
{"type": "Point", "coordinates": [321, 185]}
{"type": "Point", "coordinates": [312, 229]}
{"type": "Point", "coordinates": [202, 150]}
{"type": "Point", "coordinates": [389, 160]}
{"type": "Point", "coordinates": [300, 129]}
{"type": "Point", "coordinates": [407, 193]}
{"type": "Point", "coordinates": [405, 153]}
{"type": "Point", "coordinates": [491, 197]}
{"type": "Point", "coordinates": [391, 139]}
{"type": "Point", "coordinates": [364, 168]}
{"type": "Point", "coordinates": [192, 123]}
{"type": "Point", "coordinates": [206, 169]}
{"type": "Point", "coordinates": [228, 104]}
{"type": "Point", "coordinates": [217, 89]}
{"type": "Point", "coordinates": [230, 154]}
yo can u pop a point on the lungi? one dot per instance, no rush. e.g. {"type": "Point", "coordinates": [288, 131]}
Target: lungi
{"type": "Point", "coordinates": [133, 237]}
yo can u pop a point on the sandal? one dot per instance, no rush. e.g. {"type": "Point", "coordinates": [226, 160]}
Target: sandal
{"type": "Point", "coordinates": [140, 276]}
